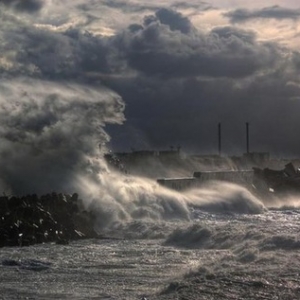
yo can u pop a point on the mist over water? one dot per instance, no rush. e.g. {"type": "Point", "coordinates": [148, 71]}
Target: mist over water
{"type": "Point", "coordinates": [118, 198]}
{"type": "Point", "coordinates": [140, 208]}
{"type": "Point", "coordinates": [223, 197]}
{"type": "Point", "coordinates": [283, 202]}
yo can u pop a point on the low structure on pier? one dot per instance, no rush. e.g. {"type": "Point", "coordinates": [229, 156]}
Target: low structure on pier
{"type": "Point", "coordinates": [238, 177]}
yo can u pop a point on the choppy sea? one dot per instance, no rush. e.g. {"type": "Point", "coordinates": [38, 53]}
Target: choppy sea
{"type": "Point", "coordinates": [219, 252]}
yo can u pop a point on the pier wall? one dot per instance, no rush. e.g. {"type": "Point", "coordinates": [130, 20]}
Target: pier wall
{"type": "Point", "coordinates": [238, 177]}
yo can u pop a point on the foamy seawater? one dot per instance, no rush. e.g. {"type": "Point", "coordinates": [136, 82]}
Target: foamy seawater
{"type": "Point", "coordinates": [212, 256]}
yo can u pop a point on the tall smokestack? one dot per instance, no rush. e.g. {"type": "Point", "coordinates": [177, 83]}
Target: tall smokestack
{"type": "Point", "coordinates": [219, 139]}
{"type": "Point", "coordinates": [247, 137]}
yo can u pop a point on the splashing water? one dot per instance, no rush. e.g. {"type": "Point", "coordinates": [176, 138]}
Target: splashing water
{"type": "Point", "coordinates": [118, 198]}
{"type": "Point", "coordinates": [50, 134]}
{"type": "Point", "coordinates": [224, 197]}
{"type": "Point", "coordinates": [121, 199]}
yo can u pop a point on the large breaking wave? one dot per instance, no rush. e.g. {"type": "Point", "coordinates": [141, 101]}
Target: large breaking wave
{"type": "Point", "coordinates": [52, 138]}
{"type": "Point", "coordinates": [51, 134]}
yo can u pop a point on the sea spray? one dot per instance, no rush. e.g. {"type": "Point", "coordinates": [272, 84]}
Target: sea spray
{"type": "Point", "coordinates": [120, 198]}
{"type": "Point", "coordinates": [51, 134]}
{"type": "Point", "coordinates": [224, 197]}
{"type": "Point", "coordinates": [283, 202]}
{"type": "Point", "coordinates": [53, 139]}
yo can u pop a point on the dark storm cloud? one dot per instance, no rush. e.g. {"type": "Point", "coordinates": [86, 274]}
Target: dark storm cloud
{"type": "Point", "coordinates": [140, 7]}
{"type": "Point", "coordinates": [177, 81]}
{"type": "Point", "coordinates": [128, 6]}
{"type": "Point", "coordinates": [296, 60]}
{"type": "Point", "coordinates": [174, 20]}
{"type": "Point", "coordinates": [169, 45]}
{"type": "Point", "coordinates": [54, 55]}
{"type": "Point", "coordinates": [189, 81]}
{"type": "Point", "coordinates": [186, 112]}
{"type": "Point", "coordinates": [166, 44]}
{"type": "Point", "coordinates": [51, 55]}
{"type": "Point", "coordinates": [273, 12]}
{"type": "Point", "coordinates": [29, 6]}
{"type": "Point", "coordinates": [52, 119]}
{"type": "Point", "coordinates": [199, 5]}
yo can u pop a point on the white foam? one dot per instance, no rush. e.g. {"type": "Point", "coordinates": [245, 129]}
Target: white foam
{"type": "Point", "coordinates": [223, 197]}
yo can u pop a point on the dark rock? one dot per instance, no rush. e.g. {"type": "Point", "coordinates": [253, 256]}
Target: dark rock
{"type": "Point", "coordinates": [53, 217]}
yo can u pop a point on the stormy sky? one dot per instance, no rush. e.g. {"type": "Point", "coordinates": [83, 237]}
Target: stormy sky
{"type": "Point", "coordinates": [179, 68]}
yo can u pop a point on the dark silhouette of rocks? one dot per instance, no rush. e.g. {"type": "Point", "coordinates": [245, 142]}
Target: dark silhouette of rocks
{"type": "Point", "coordinates": [52, 217]}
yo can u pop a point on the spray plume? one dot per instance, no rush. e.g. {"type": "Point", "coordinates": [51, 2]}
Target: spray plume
{"type": "Point", "coordinates": [50, 134]}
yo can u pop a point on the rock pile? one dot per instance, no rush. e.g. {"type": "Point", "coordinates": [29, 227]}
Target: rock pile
{"type": "Point", "coordinates": [49, 218]}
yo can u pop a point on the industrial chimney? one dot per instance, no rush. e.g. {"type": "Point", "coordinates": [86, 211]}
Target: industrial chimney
{"type": "Point", "coordinates": [219, 139]}
{"type": "Point", "coordinates": [247, 137]}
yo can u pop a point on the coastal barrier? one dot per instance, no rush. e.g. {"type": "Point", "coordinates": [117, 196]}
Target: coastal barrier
{"type": "Point", "coordinates": [244, 177]}
{"type": "Point", "coordinates": [33, 219]}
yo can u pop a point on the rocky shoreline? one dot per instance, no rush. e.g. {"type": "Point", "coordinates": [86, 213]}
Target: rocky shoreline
{"type": "Point", "coordinates": [36, 219]}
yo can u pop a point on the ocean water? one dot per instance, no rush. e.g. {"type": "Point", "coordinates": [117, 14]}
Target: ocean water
{"type": "Point", "coordinates": [219, 241]}
{"type": "Point", "coordinates": [223, 243]}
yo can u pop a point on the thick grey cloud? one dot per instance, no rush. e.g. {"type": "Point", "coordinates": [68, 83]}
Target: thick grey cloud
{"type": "Point", "coordinates": [199, 5]}
{"type": "Point", "coordinates": [129, 6]}
{"type": "Point", "coordinates": [29, 6]}
{"type": "Point", "coordinates": [189, 81]}
{"type": "Point", "coordinates": [177, 82]}
{"type": "Point", "coordinates": [174, 20]}
{"type": "Point", "coordinates": [273, 12]}
{"type": "Point", "coordinates": [52, 133]}
{"type": "Point", "coordinates": [186, 111]}
{"type": "Point", "coordinates": [168, 45]}
{"type": "Point", "coordinates": [53, 55]}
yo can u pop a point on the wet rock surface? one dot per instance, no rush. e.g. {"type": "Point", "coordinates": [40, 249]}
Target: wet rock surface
{"type": "Point", "coordinates": [52, 217]}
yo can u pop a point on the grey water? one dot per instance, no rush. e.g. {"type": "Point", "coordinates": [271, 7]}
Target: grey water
{"type": "Point", "coordinates": [211, 256]}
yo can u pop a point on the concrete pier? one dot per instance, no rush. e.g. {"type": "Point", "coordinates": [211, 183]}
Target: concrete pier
{"type": "Point", "coordinates": [238, 177]}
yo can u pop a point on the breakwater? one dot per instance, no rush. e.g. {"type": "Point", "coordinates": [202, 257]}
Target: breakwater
{"type": "Point", "coordinates": [238, 177]}
{"type": "Point", "coordinates": [52, 217]}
